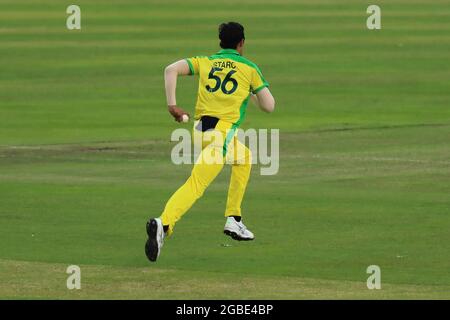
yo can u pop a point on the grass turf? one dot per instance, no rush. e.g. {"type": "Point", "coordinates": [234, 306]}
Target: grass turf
{"type": "Point", "coordinates": [364, 172]}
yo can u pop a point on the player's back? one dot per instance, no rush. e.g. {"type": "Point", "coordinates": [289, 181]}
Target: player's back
{"type": "Point", "coordinates": [226, 80]}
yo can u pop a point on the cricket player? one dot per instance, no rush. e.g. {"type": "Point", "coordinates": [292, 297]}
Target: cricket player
{"type": "Point", "coordinates": [227, 81]}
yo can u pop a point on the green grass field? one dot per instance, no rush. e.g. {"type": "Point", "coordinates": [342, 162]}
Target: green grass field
{"type": "Point", "coordinates": [364, 119]}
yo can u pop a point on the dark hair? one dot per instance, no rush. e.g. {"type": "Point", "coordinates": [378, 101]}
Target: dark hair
{"type": "Point", "coordinates": [230, 34]}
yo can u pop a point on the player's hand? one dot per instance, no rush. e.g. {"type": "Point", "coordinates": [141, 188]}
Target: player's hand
{"type": "Point", "coordinates": [177, 113]}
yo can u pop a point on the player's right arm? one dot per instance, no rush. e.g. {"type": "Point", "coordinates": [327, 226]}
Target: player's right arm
{"type": "Point", "coordinates": [171, 73]}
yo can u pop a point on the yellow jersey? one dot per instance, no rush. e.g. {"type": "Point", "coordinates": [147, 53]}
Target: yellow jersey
{"type": "Point", "coordinates": [226, 80]}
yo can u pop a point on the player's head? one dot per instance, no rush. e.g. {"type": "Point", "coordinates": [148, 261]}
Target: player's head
{"type": "Point", "coordinates": [232, 36]}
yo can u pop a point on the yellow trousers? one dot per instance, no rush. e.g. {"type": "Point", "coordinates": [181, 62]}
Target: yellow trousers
{"type": "Point", "coordinates": [218, 146]}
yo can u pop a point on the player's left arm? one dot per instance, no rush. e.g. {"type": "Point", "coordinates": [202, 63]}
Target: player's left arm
{"type": "Point", "coordinates": [171, 73]}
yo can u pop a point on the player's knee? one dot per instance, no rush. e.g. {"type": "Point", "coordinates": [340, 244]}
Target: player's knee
{"type": "Point", "coordinates": [198, 192]}
{"type": "Point", "coordinates": [197, 186]}
{"type": "Point", "coordinates": [246, 159]}
{"type": "Point", "coordinates": [249, 157]}
{"type": "Point", "coordinates": [241, 156]}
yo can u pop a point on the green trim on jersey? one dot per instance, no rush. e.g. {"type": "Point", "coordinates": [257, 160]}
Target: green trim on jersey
{"type": "Point", "coordinates": [260, 88]}
{"type": "Point", "coordinates": [242, 111]}
{"type": "Point", "coordinates": [230, 134]}
{"type": "Point", "coordinates": [229, 51]}
{"type": "Point", "coordinates": [191, 67]}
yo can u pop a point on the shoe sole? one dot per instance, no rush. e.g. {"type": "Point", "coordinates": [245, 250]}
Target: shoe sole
{"type": "Point", "coordinates": [151, 246]}
{"type": "Point", "coordinates": [235, 236]}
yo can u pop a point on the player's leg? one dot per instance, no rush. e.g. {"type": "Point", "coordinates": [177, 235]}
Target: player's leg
{"type": "Point", "coordinates": [179, 203]}
{"type": "Point", "coordinates": [207, 167]}
{"type": "Point", "coordinates": [201, 177]}
{"type": "Point", "coordinates": [240, 174]}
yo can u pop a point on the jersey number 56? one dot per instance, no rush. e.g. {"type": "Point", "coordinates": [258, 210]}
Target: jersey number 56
{"type": "Point", "coordinates": [222, 84]}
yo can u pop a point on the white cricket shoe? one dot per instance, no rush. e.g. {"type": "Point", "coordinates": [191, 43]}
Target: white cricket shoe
{"type": "Point", "coordinates": [237, 230]}
{"type": "Point", "coordinates": [155, 232]}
